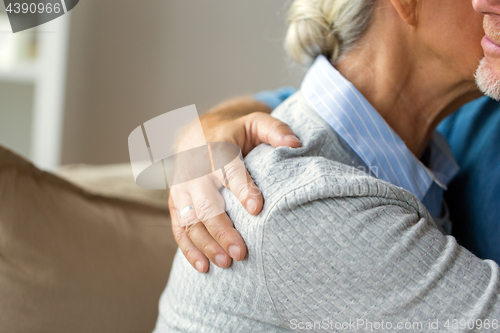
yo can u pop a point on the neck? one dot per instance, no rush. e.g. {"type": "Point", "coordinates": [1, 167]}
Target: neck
{"type": "Point", "coordinates": [413, 97]}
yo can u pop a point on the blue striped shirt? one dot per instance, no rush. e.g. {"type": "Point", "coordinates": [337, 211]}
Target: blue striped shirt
{"type": "Point", "coordinates": [343, 107]}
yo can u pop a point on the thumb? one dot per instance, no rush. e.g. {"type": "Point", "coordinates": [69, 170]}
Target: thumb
{"type": "Point", "coordinates": [263, 128]}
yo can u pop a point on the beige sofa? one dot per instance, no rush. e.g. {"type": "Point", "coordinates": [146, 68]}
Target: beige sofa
{"type": "Point", "coordinates": [86, 251]}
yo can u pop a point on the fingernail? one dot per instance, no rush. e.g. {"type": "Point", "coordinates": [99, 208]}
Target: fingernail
{"type": "Point", "coordinates": [251, 206]}
{"type": "Point", "coordinates": [199, 266]}
{"type": "Point", "coordinates": [292, 138]}
{"type": "Point", "coordinates": [234, 252]}
{"type": "Point", "coordinates": [220, 260]}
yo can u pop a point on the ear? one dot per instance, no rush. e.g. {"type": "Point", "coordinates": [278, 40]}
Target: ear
{"type": "Point", "coordinates": [407, 10]}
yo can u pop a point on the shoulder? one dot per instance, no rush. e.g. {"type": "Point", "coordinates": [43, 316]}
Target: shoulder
{"type": "Point", "coordinates": [324, 167]}
{"type": "Point", "coordinates": [338, 245]}
{"type": "Point", "coordinates": [323, 187]}
{"type": "Point", "coordinates": [332, 200]}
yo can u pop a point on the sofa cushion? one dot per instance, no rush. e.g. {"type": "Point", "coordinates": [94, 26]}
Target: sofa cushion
{"type": "Point", "coordinates": [114, 180]}
{"type": "Point", "coordinates": [71, 261]}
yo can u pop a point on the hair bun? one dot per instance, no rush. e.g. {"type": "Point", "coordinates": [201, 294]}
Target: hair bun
{"type": "Point", "coordinates": [327, 27]}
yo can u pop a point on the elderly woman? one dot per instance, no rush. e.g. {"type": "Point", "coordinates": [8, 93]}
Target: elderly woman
{"type": "Point", "coordinates": [351, 234]}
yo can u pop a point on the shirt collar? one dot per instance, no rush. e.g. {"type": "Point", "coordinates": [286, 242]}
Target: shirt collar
{"type": "Point", "coordinates": [343, 107]}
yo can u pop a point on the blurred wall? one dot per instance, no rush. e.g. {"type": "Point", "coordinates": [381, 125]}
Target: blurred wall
{"type": "Point", "coordinates": [130, 61]}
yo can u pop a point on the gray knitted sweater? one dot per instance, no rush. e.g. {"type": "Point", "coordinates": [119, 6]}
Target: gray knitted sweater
{"type": "Point", "coordinates": [334, 250]}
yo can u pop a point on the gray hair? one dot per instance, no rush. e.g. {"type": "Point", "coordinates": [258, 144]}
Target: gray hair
{"type": "Point", "coordinates": [327, 27]}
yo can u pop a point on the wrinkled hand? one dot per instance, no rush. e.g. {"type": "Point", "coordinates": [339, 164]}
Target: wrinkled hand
{"type": "Point", "coordinates": [215, 237]}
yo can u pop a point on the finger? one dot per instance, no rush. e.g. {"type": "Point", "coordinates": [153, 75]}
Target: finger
{"type": "Point", "coordinates": [206, 198]}
{"type": "Point", "coordinates": [237, 179]}
{"type": "Point", "coordinates": [218, 226]}
{"type": "Point", "coordinates": [195, 257]}
{"type": "Point", "coordinates": [202, 239]}
{"type": "Point", "coordinates": [184, 204]}
{"type": "Point", "coordinates": [263, 128]}
{"type": "Point", "coordinates": [207, 203]}
{"type": "Point", "coordinates": [222, 230]}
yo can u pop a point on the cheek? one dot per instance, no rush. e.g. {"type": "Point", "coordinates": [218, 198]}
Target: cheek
{"type": "Point", "coordinates": [474, 23]}
{"type": "Point", "coordinates": [469, 32]}
{"type": "Point", "coordinates": [476, 29]}
{"type": "Point", "coordinates": [465, 44]}
{"type": "Point", "coordinates": [455, 32]}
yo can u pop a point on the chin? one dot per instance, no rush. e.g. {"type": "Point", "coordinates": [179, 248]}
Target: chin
{"type": "Point", "coordinates": [488, 78]}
